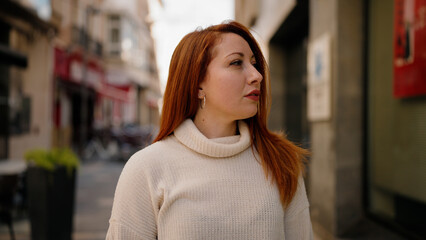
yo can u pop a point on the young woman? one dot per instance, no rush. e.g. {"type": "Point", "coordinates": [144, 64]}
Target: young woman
{"type": "Point", "coordinates": [215, 171]}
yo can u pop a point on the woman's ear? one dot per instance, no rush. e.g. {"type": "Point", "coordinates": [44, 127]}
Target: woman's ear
{"type": "Point", "coordinates": [201, 93]}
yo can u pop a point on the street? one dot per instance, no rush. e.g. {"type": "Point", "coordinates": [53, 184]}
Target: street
{"type": "Point", "coordinates": [96, 186]}
{"type": "Point", "coordinates": [95, 191]}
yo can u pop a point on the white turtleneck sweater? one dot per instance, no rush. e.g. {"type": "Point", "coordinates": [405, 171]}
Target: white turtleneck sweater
{"type": "Point", "coordinates": [190, 187]}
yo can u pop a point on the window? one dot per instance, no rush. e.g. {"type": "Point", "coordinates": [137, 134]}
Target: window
{"type": "Point", "coordinates": [115, 35]}
{"type": "Point", "coordinates": [19, 104]}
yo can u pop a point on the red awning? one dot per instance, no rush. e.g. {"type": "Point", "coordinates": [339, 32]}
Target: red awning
{"type": "Point", "coordinates": [114, 93]}
{"type": "Point", "coordinates": [69, 67]}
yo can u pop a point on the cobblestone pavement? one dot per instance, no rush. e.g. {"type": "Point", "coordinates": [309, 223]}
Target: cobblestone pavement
{"type": "Point", "coordinates": [95, 191]}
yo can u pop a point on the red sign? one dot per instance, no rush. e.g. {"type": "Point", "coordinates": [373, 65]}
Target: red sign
{"type": "Point", "coordinates": [61, 63]}
{"type": "Point", "coordinates": [409, 63]}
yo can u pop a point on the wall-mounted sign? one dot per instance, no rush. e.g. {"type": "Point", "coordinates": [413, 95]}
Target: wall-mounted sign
{"type": "Point", "coordinates": [409, 63]}
{"type": "Point", "coordinates": [319, 79]}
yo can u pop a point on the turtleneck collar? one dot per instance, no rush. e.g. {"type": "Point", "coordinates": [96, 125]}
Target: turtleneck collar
{"type": "Point", "coordinates": [189, 135]}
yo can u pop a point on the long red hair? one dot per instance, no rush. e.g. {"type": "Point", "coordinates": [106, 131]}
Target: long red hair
{"type": "Point", "coordinates": [280, 158]}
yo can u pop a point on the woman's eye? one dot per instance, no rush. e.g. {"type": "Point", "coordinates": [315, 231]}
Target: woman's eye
{"type": "Point", "coordinates": [236, 62]}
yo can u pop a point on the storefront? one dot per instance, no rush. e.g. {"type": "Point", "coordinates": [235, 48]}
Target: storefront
{"type": "Point", "coordinates": [396, 123]}
{"type": "Point", "coordinates": [83, 101]}
{"type": "Point", "coordinates": [361, 70]}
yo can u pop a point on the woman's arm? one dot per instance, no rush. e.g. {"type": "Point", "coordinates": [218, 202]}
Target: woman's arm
{"type": "Point", "coordinates": [134, 210]}
{"type": "Point", "coordinates": [297, 221]}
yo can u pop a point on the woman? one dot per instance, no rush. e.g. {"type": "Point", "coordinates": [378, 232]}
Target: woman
{"type": "Point", "coordinates": [214, 171]}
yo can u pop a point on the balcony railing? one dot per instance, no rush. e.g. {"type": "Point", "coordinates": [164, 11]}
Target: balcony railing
{"type": "Point", "coordinates": [79, 36]}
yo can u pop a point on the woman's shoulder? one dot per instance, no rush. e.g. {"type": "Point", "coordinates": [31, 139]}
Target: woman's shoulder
{"type": "Point", "coordinates": [154, 153]}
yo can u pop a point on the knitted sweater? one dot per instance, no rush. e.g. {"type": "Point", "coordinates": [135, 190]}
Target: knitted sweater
{"type": "Point", "coordinates": [190, 187]}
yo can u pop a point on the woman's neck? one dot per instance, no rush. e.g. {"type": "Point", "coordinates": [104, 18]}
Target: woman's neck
{"type": "Point", "coordinates": [215, 128]}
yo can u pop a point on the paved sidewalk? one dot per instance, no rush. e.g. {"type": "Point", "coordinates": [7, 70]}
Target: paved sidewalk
{"type": "Point", "coordinates": [95, 191]}
{"type": "Point", "coordinates": [96, 187]}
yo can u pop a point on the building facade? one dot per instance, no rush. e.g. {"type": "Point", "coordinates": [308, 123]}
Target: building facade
{"type": "Point", "coordinates": [26, 63]}
{"type": "Point", "coordinates": [66, 72]}
{"type": "Point", "coordinates": [106, 75]}
{"type": "Point", "coordinates": [340, 89]}
{"type": "Point", "coordinates": [130, 58]}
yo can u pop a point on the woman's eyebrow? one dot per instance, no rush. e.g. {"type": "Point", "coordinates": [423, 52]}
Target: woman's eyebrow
{"type": "Point", "coordinates": [238, 53]}
{"type": "Point", "coordinates": [241, 55]}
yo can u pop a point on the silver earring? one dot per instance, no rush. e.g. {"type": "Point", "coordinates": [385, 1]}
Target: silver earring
{"type": "Point", "coordinates": [204, 102]}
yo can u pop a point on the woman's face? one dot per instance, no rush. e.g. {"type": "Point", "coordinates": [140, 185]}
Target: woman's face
{"type": "Point", "coordinates": [232, 83]}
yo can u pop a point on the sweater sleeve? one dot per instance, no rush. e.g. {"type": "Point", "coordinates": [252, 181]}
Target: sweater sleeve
{"type": "Point", "coordinates": [134, 210]}
{"type": "Point", "coordinates": [297, 221]}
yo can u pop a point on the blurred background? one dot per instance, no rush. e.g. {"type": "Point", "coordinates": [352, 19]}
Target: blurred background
{"type": "Point", "coordinates": [348, 81]}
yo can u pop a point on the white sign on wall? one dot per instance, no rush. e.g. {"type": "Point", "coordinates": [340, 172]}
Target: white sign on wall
{"type": "Point", "coordinates": [319, 79]}
{"type": "Point", "coordinates": [76, 71]}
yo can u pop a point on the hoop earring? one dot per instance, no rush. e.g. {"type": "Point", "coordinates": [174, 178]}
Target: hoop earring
{"type": "Point", "coordinates": [203, 105]}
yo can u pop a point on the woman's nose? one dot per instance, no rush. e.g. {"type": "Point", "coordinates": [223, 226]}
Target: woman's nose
{"type": "Point", "coordinates": [255, 76]}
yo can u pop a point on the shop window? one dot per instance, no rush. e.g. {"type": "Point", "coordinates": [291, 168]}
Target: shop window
{"type": "Point", "coordinates": [19, 105]}
{"type": "Point", "coordinates": [20, 116]}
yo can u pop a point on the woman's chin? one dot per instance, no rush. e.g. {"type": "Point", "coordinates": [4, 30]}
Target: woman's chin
{"type": "Point", "coordinates": [249, 114]}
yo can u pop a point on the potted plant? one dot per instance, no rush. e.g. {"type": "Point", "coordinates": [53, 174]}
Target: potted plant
{"type": "Point", "coordinates": [51, 178]}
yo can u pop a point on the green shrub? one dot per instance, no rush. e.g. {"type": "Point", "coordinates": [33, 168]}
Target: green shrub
{"type": "Point", "coordinates": [52, 159]}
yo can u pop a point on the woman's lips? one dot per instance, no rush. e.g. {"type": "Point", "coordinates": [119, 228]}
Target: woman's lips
{"type": "Point", "coordinates": [253, 95]}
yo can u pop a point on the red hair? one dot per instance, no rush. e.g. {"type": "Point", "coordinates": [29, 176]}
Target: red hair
{"type": "Point", "coordinates": [280, 158]}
